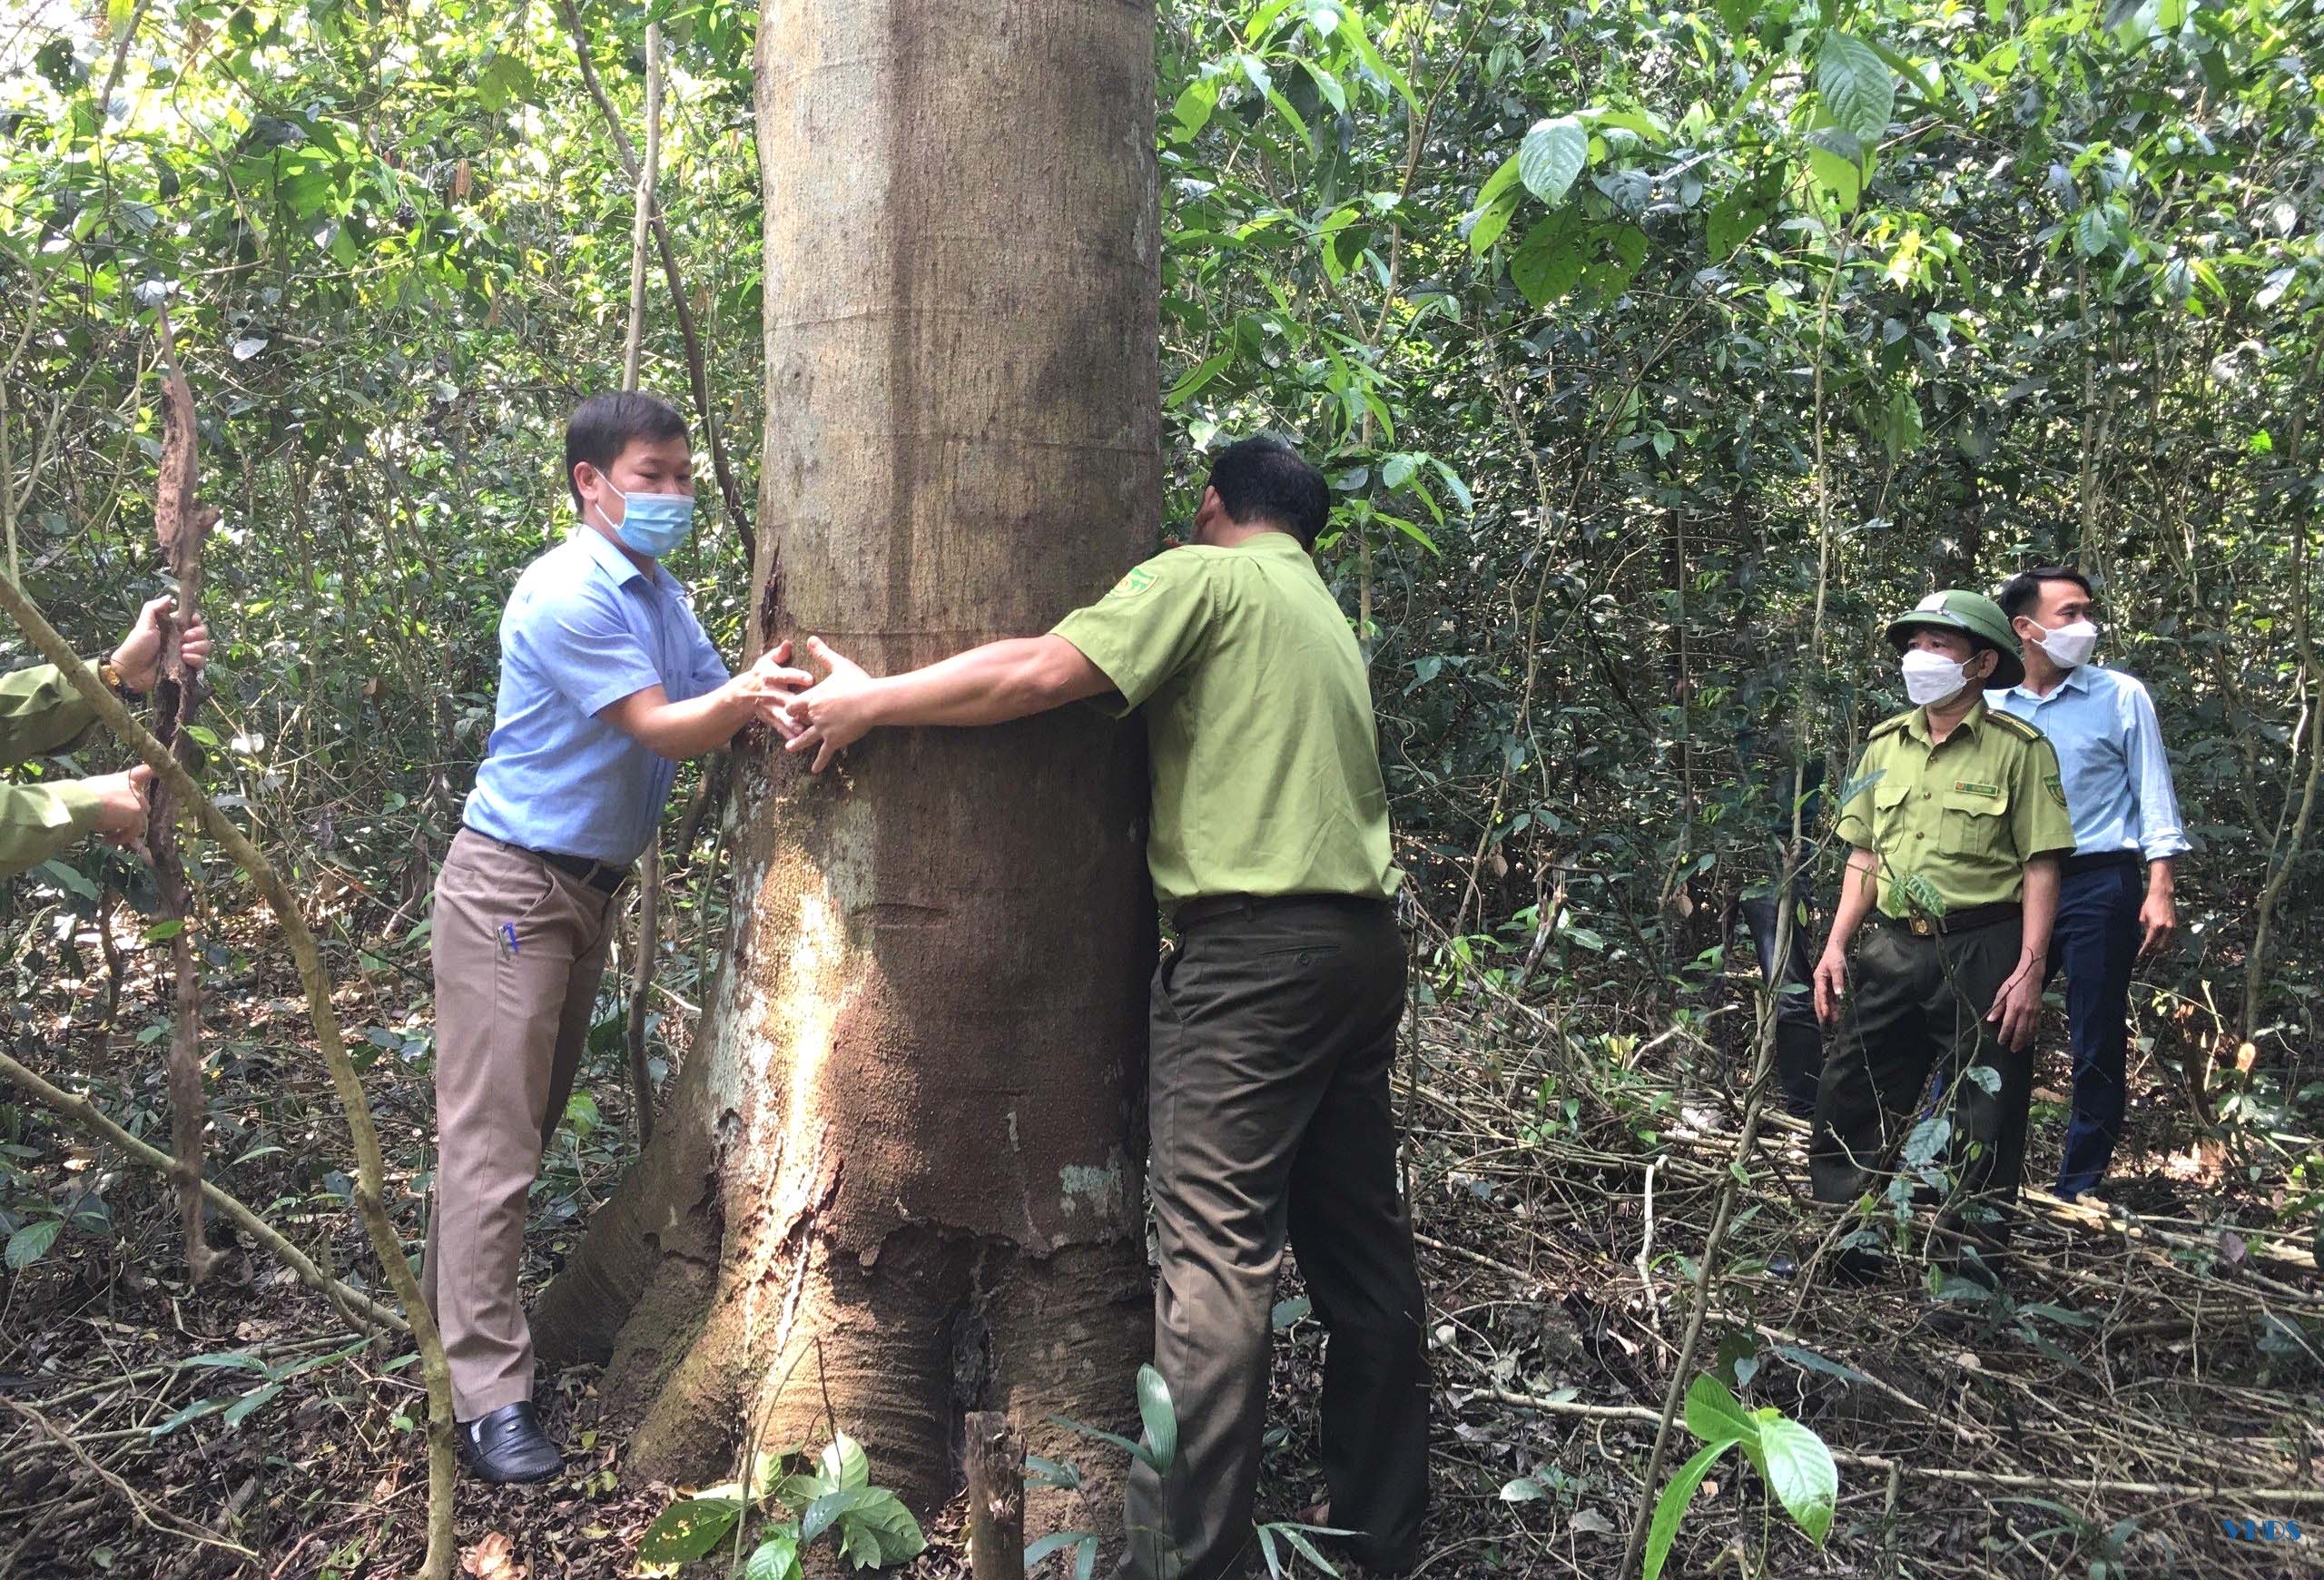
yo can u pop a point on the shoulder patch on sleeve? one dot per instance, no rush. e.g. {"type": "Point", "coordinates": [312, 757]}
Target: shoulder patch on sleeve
{"type": "Point", "coordinates": [2014, 724]}
{"type": "Point", "coordinates": [1135, 582]}
{"type": "Point", "coordinates": [1889, 726]}
{"type": "Point", "coordinates": [2056, 785]}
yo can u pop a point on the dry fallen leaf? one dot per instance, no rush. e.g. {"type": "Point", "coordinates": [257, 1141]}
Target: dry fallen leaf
{"type": "Point", "coordinates": [493, 1558]}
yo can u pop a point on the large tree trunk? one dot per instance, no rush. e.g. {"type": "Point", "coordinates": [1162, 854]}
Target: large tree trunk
{"type": "Point", "coordinates": [904, 1150]}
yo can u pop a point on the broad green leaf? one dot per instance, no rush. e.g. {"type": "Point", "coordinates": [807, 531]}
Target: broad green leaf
{"type": "Point", "coordinates": [1671, 1507]}
{"type": "Point", "coordinates": [871, 1519]}
{"type": "Point", "coordinates": [1492, 220]}
{"type": "Point", "coordinates": [31, 1242]}
{"type": "Point", "coordinates": [1842, 178]}
{"type": "Point", "coordinates": [1523, 1489]}
{"type": "Point", "coordinates": [1552, 156]}
{"type": "Point", "coordinates": [775, 1559]}
{"type": "Point", "coordinates": [1160, 1421]}
{"type": "Point", "coordinates": [844, 1464]}
{"type": "Point", "coordinates": [1504, 177]}
{"type": "Point", "coordinates": [2093, 235]}
{"type": "Point", "coordinates": [1855, 85]}
{"type": "Point", "coordinates": [688, 1529]}
{"type": "Point", "coordinates": [1328, 85]}
{"type": "Point", "coordinates": [1549, 262]}
{"type": "Point", "coordinates": [1192, 111]}
{"type": "Point", "coordinates": [1799, 1469]}
{"type": "Point", "coordinates": [1715, 1414]}
{"type": "Point", "coordinates": [69, 877]}
{"type": "Point", "coordinates": [823, 1513]}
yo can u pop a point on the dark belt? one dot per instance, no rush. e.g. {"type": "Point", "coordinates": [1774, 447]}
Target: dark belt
{"type": "Point", "coordinates": [598, 875]}
{"type": "Point", "coordinates": [1211, 907]}
{"type": "Point", "coordinates": [2073, 866]}
{"type": "Point", "coordinates": [1966, 919]}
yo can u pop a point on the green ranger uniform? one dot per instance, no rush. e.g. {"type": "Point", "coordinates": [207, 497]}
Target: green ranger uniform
{"type": "Point", "coordinates": [40, 712]}
{"type": "Point", "coordinates": [1265, 761]}
{"type": "Point", "coordinates": [1953, 824]}
{"type": "Point", "coordinates": [1274, 1026]}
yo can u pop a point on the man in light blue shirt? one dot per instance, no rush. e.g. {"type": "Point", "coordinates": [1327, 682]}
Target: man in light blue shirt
{"type": "Point", "coordinates": [606, 682]}
{"type": "Point", "coordinates": [2117, 782]}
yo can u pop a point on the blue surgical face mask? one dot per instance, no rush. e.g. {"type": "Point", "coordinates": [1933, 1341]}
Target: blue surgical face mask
{"type": "Point", "coordinates": [652, 524]}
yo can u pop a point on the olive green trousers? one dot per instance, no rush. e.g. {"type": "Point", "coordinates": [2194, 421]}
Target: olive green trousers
{"type": "Point", "coordinates": [1274, 1028]}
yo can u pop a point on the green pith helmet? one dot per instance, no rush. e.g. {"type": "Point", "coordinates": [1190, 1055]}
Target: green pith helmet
{"type": "Point", "coordinates": [1972, 615]}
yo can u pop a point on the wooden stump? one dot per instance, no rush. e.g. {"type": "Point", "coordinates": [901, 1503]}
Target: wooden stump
{"type": "Point", "coordinates": [996, 1465]}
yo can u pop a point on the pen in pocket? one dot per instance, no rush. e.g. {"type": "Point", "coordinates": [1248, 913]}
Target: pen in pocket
{"type": "Point", "coordinates": [509, 938]}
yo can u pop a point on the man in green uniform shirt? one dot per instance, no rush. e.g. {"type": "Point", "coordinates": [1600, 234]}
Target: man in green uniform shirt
{"type": "Point", "coordinates": [1273, 1023]}
{"type": "Point", "coordinates": [40, 712]}
{"type": "Point", "coordinates": [1955, 817]}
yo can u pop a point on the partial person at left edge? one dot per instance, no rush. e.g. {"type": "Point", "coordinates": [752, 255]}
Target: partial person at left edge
{"type": "Point", "coordinates": [608, 682]}
{"type": "Point", "coordinates": [40, 713]}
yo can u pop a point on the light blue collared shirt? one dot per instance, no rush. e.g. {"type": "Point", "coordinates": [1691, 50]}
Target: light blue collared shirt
{"type": "Point", "coordinates": [584, 628]}
{"type": "Point", "coordinates": [2110, 752]}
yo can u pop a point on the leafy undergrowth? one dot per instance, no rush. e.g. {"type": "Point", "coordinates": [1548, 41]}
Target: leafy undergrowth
{"type": "Point", "coordinates": [149, 1430]}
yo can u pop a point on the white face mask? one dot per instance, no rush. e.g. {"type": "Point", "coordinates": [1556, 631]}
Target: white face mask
{"type": "Point", "coordinates": [2069, 646]}
{"type": "Point", "coordinates": [1932, 676]}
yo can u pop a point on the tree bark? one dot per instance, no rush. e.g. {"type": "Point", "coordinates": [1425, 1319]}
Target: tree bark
{"type": "Point", "coordinates": [996, 1474]}
{"type": "Point", "coordinates": [907, 1127]}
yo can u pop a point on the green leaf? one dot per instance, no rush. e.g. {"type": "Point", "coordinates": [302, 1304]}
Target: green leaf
{"type": "Point", "coordinates": [1799, 1469]}
{"type": "Point", "coordinates": [1524, 1489]}
{"type": "Point", "coordinates": [1671, 1507]}
{"type": "Point", "coordinates": [1193, 109]}
{"type": "Point", "coordinates": [1059, 1541]}
{"type": "Point", "coordinates": [1306, 1549]}
{"type": "Point", "coordinates": [1900, 428]}
{"type": "Point", "coordinates": [1054, 1472]}
{"type": "Point", "coordinates": [688, 1529]}
{"type": "Point", "coordinates": [69, 877]}
{"type": "Point", "coordinates": [1196, 377]}
{"type": "Point", "coordinates": [878, 1522]}
{"type": "Point", "coordinates": [1715, 1414]}
{"type": "Point", "coordinates": [2093, 235]}
{"type": "Point", "coordinates": [1290, 1313]}
{"type": "Point", "coordinates": [1811, 1361]}
{"type": "Point", "coordinates": [256, 1399]}
{"type": "Point", "coordinates": [192, 1412]}
{"type": "Point", "coordinates": [1327, 85]}
{"type": "Point", "coordinates": [1547, 263]}
{"type": "Point", "coordinates": [775, 1559]}
{"type": "Point", "coordinates": [1498, 182]}
{"type": "Point", "coordinates": [1842, 178]}
{"type": "Point", "coordinates": [1492, 220]}
{"type": "Point", "coordinates": [1161, 1422]}
{"type": "Point", "coordinates": [31, 1242]}
{"type": "Point", "coordinates": [1552, 156]}
{"type": "Point", "coordinates": [824, 1512]}
{"type": "Point", "coordinates": [844, 1464]}
{"type": "Point", "coordinates": [1855, 86]}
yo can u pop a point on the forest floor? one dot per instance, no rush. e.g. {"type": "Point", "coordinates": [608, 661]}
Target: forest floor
{"type": "Point", "coordinates": [2150, 1368]}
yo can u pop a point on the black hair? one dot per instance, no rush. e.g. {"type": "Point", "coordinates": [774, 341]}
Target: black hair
{"type": "Point", "coordinates": [1262, 477]}
{"type": "Point", "coordinates": [604, 425]}
{"type": "Point", "coordinates": [2023, 591]}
